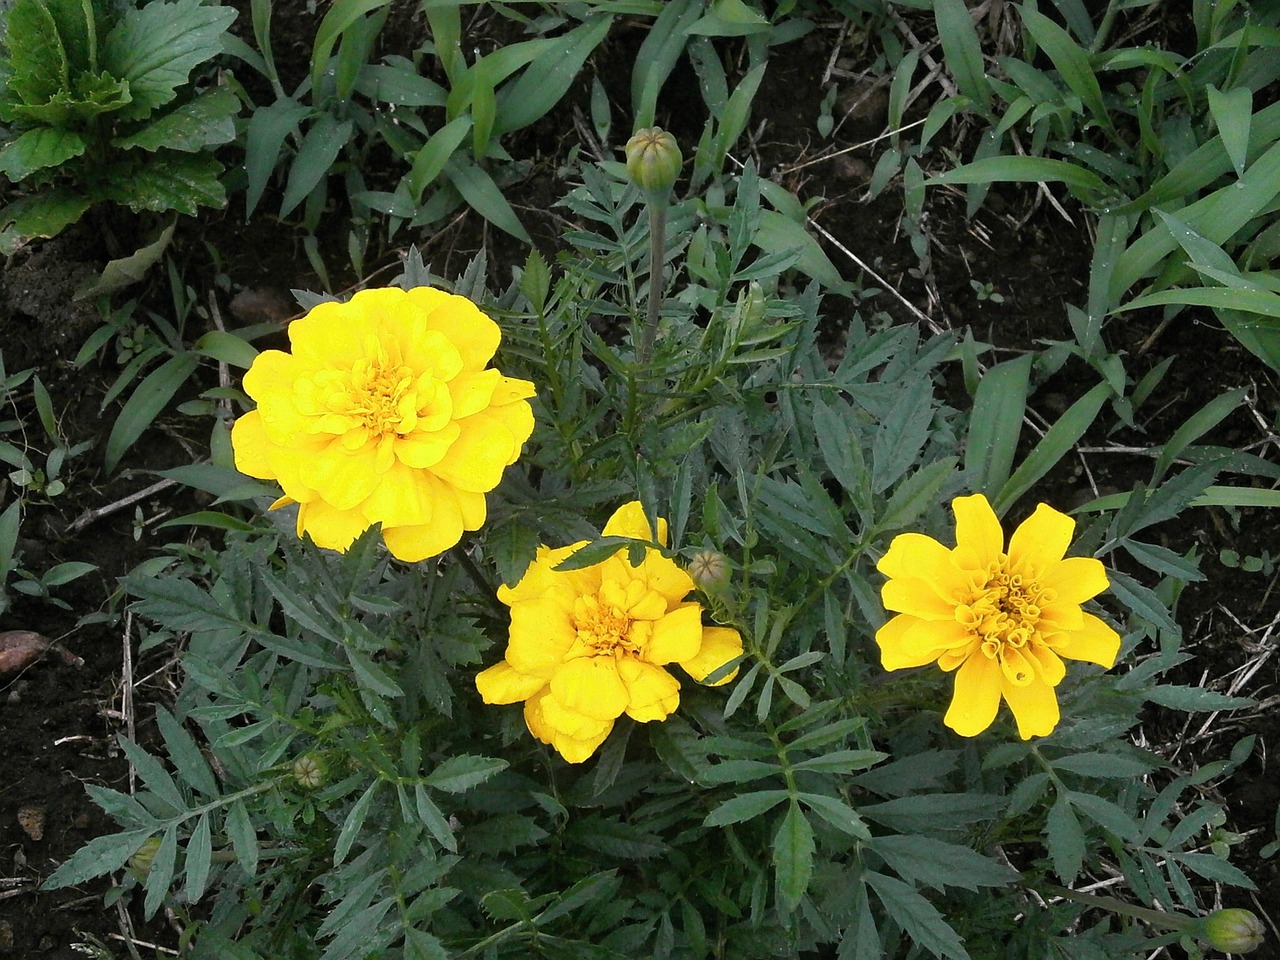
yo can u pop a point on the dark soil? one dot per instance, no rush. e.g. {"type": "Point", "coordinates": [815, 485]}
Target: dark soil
{"type": "Point", "coordinates": [59, 723]}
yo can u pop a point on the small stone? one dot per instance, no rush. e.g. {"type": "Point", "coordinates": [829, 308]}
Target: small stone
{"type": "Point", "coordinates": [31, 820]}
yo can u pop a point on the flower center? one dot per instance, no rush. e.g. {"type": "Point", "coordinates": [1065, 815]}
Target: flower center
{"type": "Point", "coordinates": [383, 397]}
{"type": "Point", "coordinates": [1003, 615]}
{"type": "Point", "coordinates": [617, 620]}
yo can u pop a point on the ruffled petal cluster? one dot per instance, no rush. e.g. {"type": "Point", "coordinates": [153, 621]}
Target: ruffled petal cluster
{"type": "Point", "coordinates": [1003, 621]}
{"type": "Point", "coordinates": [385, 411]}
{"type": "Point", "coordinates": [588, 645]}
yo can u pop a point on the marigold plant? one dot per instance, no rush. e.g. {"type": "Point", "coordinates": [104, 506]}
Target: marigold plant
{"type": "Point", "coordinates": [588, 645]}
{"type": "Point", "coordinates": [385, 413]}
{"type": "Point", "coordinates": [1003, 621]}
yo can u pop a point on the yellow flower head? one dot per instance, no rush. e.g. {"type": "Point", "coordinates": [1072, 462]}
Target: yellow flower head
{"type": "Point", "coordinates": [587, 646]}
{"type": "Point", "coordinates": [384, 413]}
{"type": "Point", "coordinates": [1002, 621]}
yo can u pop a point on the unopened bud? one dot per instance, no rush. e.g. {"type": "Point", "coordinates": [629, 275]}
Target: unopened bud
{"type": "Point", "coordinates": [309, 771]}
{"type": "Point", "coordinates": [709, 569]}
{"type": "Point", "coordinates": [143, 857]}
{"type": "Point", "coordinates": [1232, 930]}
{"type": "Point", "coordinates": [653, 160]}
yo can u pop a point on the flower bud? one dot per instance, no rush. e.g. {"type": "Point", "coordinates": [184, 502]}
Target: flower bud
{"type": "Point", "coordinates": [653, 160]}
{"type": "Point", "coordinates": [1232, 930]}
{"type": "Point", "coordinates": [309, 771]}
{"type": "Point", "coordinates": [709, 570]}
{"type": "Point", "coordinates": [143, 857]}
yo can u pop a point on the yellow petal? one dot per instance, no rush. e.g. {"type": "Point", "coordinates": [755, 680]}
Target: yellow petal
{"type": "Point", "coordinates": [1035, 708]}
{"type": "Point", "coordinates": [332, 334]}
{"type": "Point", "coordinates": [1094, 642]}
{"type": "Point", "coordinates": [1040, 541]}
{"type": "Point", "coordinates": [540, 576]}
{"type": "Point", "coordinates": [1048, 663]}
{"type": "Point", "coordinates": [1060, 617]}
{"type": "Point", "coordinates": [929, 639]}
{"type": "Point", "coordinates": [541, 634]}
{"type": "Point", "coordinates": [473, 392]}
{"type": "Point", "coordinates": [977, 696]}
{"type": "Point", "coordinates": [652, 692]}
{"type": "Point", "coordinates": [272, 375]}
{"type": "Point", "coordinates": [629, 521]}
{"type": "Point", "coordinates": [344, 478]}
{"type": "Point", "coordinates": [915, 556]}
{"type": "Point", "coordinates": [676, 637]}
{"type": "Point", "coordinates": [590, 686]}
{"type": "Point", "coordinates": [1075, 579]}
{"type": "Point", "coordinates": [476, 459]}
{"type": "Point", "coordinates": [474, 334]}
{"type": "Point", "coordinates": [328, 526]}
{"type": "Point", "coordinates": [719, 646]}
{"type": "Point", "coordinates": [502, 683]}
{"type": "Point", "coordinates": [665, 577]}
{"type": "Point", "coordinates": [424, 448]}
{"type": "Point", "coordinates": [250, 445]}
{"type": "Point", "coordinates": [979, 539]}
{"type": "Point", "coordinates": [918, 598]}
{"type": "Point", "coordinates": [574, 736]}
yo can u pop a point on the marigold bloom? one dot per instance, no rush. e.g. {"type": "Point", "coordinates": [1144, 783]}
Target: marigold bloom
{"type": "Point", "coordinates": [1002, 621]}
{"type": "Point", "coordinates": [384, 413]}
{"type": "Point", "coordinates": [587, 646]}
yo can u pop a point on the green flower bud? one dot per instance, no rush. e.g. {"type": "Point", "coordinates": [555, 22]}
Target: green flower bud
{"type": "Point", "coordinates": [309, 771]}
{"type": "Point", "coordinates": [653, 160]}
{"type": "Point", "coordinates": [143, 857]}
{"type": "Point", "coordinates": [709, 570]}
{"type": "Point", "coordinates": [1232, 930]}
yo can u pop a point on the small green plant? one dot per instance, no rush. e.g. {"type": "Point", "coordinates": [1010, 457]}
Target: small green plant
{"type": "Point", "coordinates": [100, 111]}
{"type": "Point", "coordinates": [1265, 563]}
{"type": "Point", "coordinates": [986, 292]}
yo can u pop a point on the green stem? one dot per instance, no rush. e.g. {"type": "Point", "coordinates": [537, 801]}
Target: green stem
{"type": "Point", "coordinates": [1157, 918]}
{"type": "Point", "coordinates": [657, 245]}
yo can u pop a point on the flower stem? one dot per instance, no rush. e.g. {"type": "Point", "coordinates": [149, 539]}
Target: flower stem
{"type": "Point", "coordinates": [657, 246]}
{"type": "Point", "coordinates": [1157, 918]}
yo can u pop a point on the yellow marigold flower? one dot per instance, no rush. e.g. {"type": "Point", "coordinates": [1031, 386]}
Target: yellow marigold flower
{"type": "Point", "coordinates": [385, 413]}
{"type": "Point", "coordinates": [1002, 621]}
{"type": "Point", "coordinates": [587, 646]}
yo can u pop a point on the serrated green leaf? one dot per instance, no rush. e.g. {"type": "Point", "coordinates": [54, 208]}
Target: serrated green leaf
{"type": "Point", "coordinates": [1106, 814]}
{"type": "Point", "coordinates": [44, 214]}
{"type": "Point", "coordinates": [243, 837]}
{"type": "Point", "coordinates": [101, 855]}
{"type": "Point", "coordinates": [153, 774]}
{"type": "Point", "coordinates": [746, 806]}
{"type": "Point", "coordinates": [204, 122]}
{"type": "Point", "coordinates": [433, 819]}
{"type": "Point", "coordinates": [1104, 765]}
{"type": "Point", "coordinates": [161, 874]}
{"type": "Point", "coordinates": [793, 856]}
{"type": "Point", "coordinates": [37, 64]}
{"type": "Point", "coordinates": [38, 149]}
{"type": "Point", "coordinates": [902, 433]}
{"type": "Point", "coordinates": [461, 773]}
{"type": "Point", "coordinates": [199, 859]}
{"type": "Point", "coordinates": [939, 864]}
{"type": "Point", "coordinates": [916, 493]}
{"type": "Point", "coordinates": [156, 46]}
{"type": "Point", "coordinates": [166, 181]}
{"type": "Point", "coordinates": [837, 813]}
{"type": "Point", "coordinates": [186, 756]}
{"type": "Point", "coordinates": [917, 917]}
{"type": "Point", "coordinates": [353, 823]}
{"type": "Point", "coordinates": [1194, 699]}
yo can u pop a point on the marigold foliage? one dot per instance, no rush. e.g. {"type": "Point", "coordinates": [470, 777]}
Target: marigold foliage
{"type": "Point", "coordinates": [384, 412]}
{"type": "Point", "coordinates": [588, 645]}
{"type": "Point", "coordinates": [1002, 621]}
